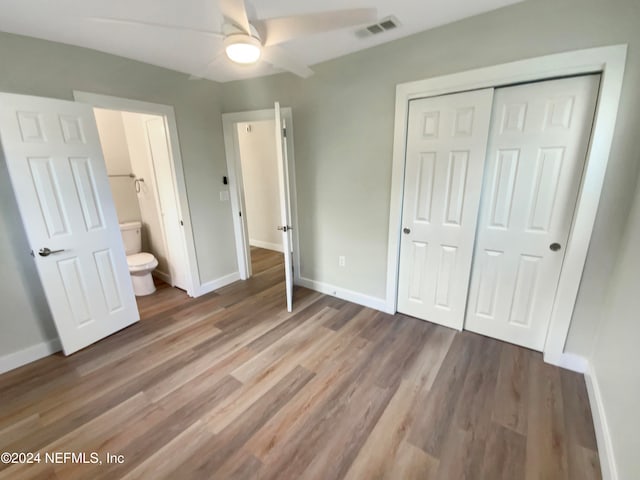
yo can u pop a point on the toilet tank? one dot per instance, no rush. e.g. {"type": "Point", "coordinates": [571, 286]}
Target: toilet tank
{"type": "Point", "coordinates": [132, 237]}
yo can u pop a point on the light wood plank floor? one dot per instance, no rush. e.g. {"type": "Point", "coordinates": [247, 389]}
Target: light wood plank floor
{"type": "Point", "coordinates": [231, 386]}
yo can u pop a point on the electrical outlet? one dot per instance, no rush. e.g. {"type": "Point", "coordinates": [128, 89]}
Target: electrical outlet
{"type": "Point", "coordinates": [342, 261]}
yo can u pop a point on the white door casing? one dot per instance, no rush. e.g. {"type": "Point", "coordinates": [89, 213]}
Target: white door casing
{"type": "Point", "coordinates": [446, 149]}
{"type": "Point", "coordinates": [537, 148]}
{"type": "Point", "coordinates": [167, 199]}
{"type": "Point", "coordinates": [285, 202]}
{"type": "Point", "coordinates": [58, 174]}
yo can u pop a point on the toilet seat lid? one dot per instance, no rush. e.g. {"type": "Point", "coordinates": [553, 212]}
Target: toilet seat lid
{"type": "Point", "coordinates": [138, 259]}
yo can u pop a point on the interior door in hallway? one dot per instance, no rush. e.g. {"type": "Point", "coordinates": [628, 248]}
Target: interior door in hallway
{"type": "Point", "coordinates": [59, 177]}
{"type": "Point", "coordinates": [285, 202]}
{"type": "Point", "coordinates": [536, 154]}
{"type": "Point", "coordinates": [446, 151]}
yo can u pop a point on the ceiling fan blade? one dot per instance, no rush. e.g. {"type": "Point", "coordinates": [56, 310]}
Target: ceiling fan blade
{"type": "Point", "coordinates": [282, 29]}
{"type": "Point", "coordinates": [235, 11]}
{"type": "Point", "coordinates": [122, 21]}
{"type": "Point", "coordinates": [278, 57]}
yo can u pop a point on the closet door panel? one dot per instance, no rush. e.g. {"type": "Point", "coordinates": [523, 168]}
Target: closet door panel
{"type": "Point", "coordinates": [537, 148]}
{"type": "Point", "coordinates": [446, 150]}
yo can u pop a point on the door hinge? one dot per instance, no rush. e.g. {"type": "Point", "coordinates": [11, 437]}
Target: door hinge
{"type": "Point", "coordinates": [284, 132]}
{"type": "Point", "coordinates": [239, 214]}
{"type": "Point", "coordinates": [181, 223]}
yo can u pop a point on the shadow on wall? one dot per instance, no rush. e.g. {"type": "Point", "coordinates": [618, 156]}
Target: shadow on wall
{"type": "Point", "coordinates": [21, 268]}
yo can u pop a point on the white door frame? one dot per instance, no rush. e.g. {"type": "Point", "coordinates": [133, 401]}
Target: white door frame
{"type": "Point", "coordinates": [610, 62]}
{"type": "Point", "coordinates": [194, 286]}
{"type": "Point", "coordinates": [236, 185]}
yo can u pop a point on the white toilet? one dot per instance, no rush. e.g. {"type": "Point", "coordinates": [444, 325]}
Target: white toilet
{"type": "Point", "coordinates": [141, 264]}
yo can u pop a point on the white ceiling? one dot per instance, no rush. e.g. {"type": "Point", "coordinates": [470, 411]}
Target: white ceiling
{"type": "Point", "coordinates": [69, 21]}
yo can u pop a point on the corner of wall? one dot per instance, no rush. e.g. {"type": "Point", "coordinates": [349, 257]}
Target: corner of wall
{"type": "Point", "coordinates": [569, 361]}
{"type": "Point", "coordinates": [603, 435]}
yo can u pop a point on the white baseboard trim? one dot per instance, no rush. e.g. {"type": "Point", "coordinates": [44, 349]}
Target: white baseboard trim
{"type": "Point", "coordinates": [343, 293]}
{"type": "Point", "coordinates": [267, 245]}
{"type": "Point", "coordinates": [571, 361]}
{"type": "Point", "coordinates": [29, 354]}
{"type": "Point", "coordinates": [603, 435]}
{"type": "Point", "coordinates": [212, 285]}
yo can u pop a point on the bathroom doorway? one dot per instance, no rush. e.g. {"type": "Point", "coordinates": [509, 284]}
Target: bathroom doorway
{"type": "Point", "coordinates": [145, 177]}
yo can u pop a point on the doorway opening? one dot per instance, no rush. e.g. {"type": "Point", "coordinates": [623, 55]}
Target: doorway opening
{"type": "Point", "coordinates": [136, 154]}
{"type": "Point", "coordinates": [142, 156]}
{"type": "Point", "coordinates": [261, 167]}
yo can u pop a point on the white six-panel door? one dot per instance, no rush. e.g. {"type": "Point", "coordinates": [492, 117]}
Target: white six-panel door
{"type": "Point", "coordinates": [446, 150]}
{"type": "Point", "coordinates": [55, 162]}
{"type": "Point", "coordinates": [536, 153]}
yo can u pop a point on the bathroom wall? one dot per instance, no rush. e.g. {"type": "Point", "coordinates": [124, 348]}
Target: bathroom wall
{"type": "Point", "coordinates": [260, 179]}
{"type": "Point", "coordinates": [116, 157]}
{"type": "Point", "coordinates": [147, 199]}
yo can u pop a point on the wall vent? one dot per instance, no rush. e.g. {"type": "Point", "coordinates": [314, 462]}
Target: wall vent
{"type": "Point", "coordinates": [386, 24]}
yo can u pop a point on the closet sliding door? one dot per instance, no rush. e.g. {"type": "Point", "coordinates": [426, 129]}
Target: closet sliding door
{"type": "Point", "coordinates": [537, 149]}
{"type": "Point", "coordinates": [446, 151]}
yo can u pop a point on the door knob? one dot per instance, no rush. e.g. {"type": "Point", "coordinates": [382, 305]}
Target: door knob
{"type": "Point", "coordinates": [407, 231]}
{"type": "Point", "coordinates": [554, 247]}
{"type": "Point", "coordinates": [45, 252]}
{"type": "Point", "coordinates": [286, 228]}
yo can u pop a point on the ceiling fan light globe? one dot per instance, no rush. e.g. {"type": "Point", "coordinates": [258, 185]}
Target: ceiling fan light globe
{"type": "Point", "coordinates": [243, 49]}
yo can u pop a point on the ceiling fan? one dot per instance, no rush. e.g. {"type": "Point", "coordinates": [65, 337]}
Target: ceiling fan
{"type": "Point", "coordinates": [247, 41]}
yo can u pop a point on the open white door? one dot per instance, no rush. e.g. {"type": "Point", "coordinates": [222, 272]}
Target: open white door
{"type": "Point", "coordinates": [55, 162]}
{"type": "Point", "coordinates": [285, 202]}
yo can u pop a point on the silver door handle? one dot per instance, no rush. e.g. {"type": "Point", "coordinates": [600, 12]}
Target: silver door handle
{"type": "Point", "coordinates": [45, 252]}
{"type": "Point", "coordinates": [286, 228]}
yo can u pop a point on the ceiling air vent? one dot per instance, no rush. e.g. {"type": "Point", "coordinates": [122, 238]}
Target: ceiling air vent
{"type": "Point", "coordinates": [388, 23]}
